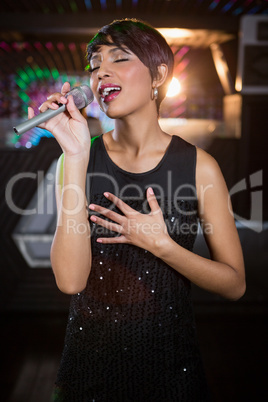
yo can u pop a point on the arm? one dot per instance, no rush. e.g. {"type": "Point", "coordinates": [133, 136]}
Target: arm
{"type": "Point", "coordinates": [71, 247]}
{"type": "Point", "coordinates": [224, 272]}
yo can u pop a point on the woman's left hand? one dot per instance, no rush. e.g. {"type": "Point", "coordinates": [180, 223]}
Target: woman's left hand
{"type": "Point", "coordinates": [147, 231]}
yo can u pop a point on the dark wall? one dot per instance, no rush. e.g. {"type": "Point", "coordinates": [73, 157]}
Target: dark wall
{"type": "Point", "coordinates": [22, 287]}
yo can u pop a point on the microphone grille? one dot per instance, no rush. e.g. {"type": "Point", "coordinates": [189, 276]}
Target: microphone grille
{"type": "Point", "coordinates": [82, 95]}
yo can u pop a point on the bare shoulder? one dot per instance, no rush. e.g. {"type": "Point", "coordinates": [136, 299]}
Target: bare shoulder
{"type": "Point", "coordinates": [205, 163]}
{"type": "Point", "coordinates": [209, 177]}
{"type": "Point", "coordinates": [207, 169]}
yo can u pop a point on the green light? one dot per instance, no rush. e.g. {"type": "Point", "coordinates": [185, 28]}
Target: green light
{"type": "Point", "coordinates": [46, 72]}
{"type": "Point", "coordinates": [30, 73]}
{"type": "Point", "coordinates": [73, 6]}
{"type": "Point", "coordinates": [21, 83]}
{"type": "Point", "coordinates": [25, 108]}
{"type": "Point", "coordinates": [39, 73]}
{"type": "Point", "coordinates": [14, 139]}
{"type": "Point", "coordinates": [23, 75]}
{"type": "Point", "coordinates": [55, 73]}
{"type": "Point", "coordinates": [24, 97]}
{"type": "Point", "coordinates": [64, 78]}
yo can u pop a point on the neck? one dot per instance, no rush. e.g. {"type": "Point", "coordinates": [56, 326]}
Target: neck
{"type": "Point", "coordinates": [137, 132]}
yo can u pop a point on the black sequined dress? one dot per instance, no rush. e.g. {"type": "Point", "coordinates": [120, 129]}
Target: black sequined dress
{"type": "Point", "coordinates": [131, 333]}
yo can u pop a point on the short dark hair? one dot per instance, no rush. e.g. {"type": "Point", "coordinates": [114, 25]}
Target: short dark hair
{"type": "Point", "coordinates": [141, 39]}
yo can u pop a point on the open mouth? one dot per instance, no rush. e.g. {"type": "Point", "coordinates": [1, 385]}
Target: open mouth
{"type": "Point", "coordinates": [108, 93]}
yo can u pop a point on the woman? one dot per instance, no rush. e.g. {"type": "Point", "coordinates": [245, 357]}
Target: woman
{"type": "Point", "coordinates": [131, 333]}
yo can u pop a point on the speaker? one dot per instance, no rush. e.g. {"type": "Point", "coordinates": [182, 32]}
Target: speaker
{"type": "Point", "coordinates": [252, 69]}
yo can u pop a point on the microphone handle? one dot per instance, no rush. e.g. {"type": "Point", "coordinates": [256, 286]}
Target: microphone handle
{"type": "Point", "coordinates": [40, 118]}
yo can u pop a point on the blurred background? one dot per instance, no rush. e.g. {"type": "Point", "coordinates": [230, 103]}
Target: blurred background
{"type": "Point", "coordinates": [218, 101]}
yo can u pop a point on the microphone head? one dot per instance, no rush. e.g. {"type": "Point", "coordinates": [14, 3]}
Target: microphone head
{"type": "Point", "coordinates": [82, 96]}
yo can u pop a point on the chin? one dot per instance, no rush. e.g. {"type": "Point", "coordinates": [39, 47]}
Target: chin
{"type": "Point", "coordinates": [115, 114]}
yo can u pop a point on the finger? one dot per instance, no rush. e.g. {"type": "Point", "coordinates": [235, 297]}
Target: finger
{"type": "Point", "coordinates": [48, 105]}
{"type": "Point", "coordinates": [52, 102]}
{"type": "Point", "coordinates": [153, 203]}
{"type": "Point", "coordinates": [65, 88]}
{"type": "Point", "coordinates": [107, 212]}
{"type": "Point", "coordinates": [114, 227]}
{"type": "Point", "coordinates": [30, 113]}
{"type": "Point", "coordinates": [56, 97]}
{"type": "Point", "coordinates": [72, 109]}
{"type": "Point", "coordinates": [126, 209]}
{"type": "Point", "coordinates": [112, 240]}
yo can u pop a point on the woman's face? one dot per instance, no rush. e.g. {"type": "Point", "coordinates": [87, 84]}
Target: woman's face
{"type": "Point", "coordinates": [121, 83]}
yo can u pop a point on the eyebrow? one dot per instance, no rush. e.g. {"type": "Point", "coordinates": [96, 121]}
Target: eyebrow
{"type": "Point", "coordinates": [112, 50]}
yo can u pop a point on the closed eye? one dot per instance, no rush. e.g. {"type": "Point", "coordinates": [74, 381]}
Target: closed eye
{"type": "Point", "coordinates": [91, 69]}
{"type": "Point", "coordinates": [118, 61]}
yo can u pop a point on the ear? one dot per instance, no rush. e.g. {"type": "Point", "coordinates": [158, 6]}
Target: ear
{"type": "Point", "coordinates": [161, 76]}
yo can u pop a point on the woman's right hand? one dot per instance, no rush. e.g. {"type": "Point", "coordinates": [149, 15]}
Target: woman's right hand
{"type": "Point", "coordinates": [69, 128]}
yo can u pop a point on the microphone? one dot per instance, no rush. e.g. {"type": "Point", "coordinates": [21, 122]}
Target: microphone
{"type": "Point", "coordinates": [82, 96]}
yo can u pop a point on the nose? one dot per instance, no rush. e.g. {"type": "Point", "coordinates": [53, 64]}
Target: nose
{"type": "Point", "coordinates": [104, 71]}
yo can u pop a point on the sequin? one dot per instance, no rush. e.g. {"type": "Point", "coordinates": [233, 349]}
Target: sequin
{"type": "Point", "coordinates": [101, 277]}
{"type": "Point", "coordinates": [100, 262]}
{"type": "Point", "coordinates": [81, 328]}
{"type": "Point", "coordinates": [140, 320]}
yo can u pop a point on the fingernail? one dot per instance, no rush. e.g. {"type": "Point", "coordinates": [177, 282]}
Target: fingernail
{"type": "Point", "coordinates": [99, 240]}
{"type": "Point", "coordinates": [106, 195]}
{"type": "Point", "coordinates": [93, 218]}
{"type": "Point", "coordinates": [91, 206]}
{"type": "Point", "coordinates": [150, 190]}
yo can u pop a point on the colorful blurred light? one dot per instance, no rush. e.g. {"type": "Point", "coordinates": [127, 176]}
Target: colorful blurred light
{"type": "Point", "coordinates": [88, 4]}
{"type": "Point", "coordinates": [174, 88]}
{"type": "Point", "coordinates": [103, 4]}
